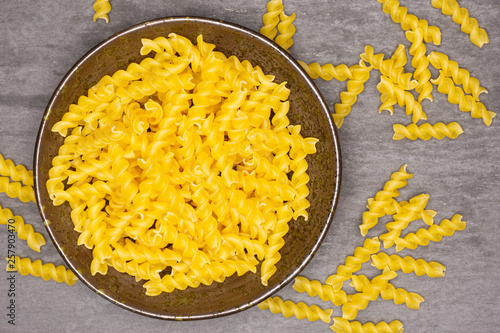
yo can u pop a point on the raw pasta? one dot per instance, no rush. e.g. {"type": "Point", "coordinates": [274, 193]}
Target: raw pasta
{"type": "Point", "coordinates": [421, 64]}
{"type": "Point", "coordinates": [408, 264]}
{"type": "Point", "coordinates": [102, 8]}
{"type": "Point", "coordinates": [299, 310]}
{"type": "Point", "coordinates": [461, 76]}
{"type": "Point", "coordinates": [316, 288]}
{"type": "Point", "coordinates": [341, 325]}
{"type": "Point", "coordinates": [434, 233]}
{"type": "Point", "coordinates": [176, 172]}
{"type": "Point", "coordinates": [466, 103]}
{"type": "Point", "coordinates": [17, 173]}
{"type": "Point", "coordinates": [327, 72]}
{"type": "Point", "coordinates": [426, 131]}
{"type": "Point", "coordinates": [24, 231]}
{"type": "Point", "coordinates": [46, 271]}
{"type": "Point", "coordinates": [460, 15]}
{"type": "Point", "coordinates": [286, 30]}
{"type": "Point", "coordinates": [271, 18]}
{"type": "Point", "coordinates": [17, 190]}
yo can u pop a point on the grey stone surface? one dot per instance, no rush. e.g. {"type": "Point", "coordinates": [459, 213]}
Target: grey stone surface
{"type": "Point", "coordinates": [41, 40]}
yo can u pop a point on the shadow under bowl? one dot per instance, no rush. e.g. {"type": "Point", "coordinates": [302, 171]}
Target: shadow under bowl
{"type": "Point", "coordinates": [307, 108]}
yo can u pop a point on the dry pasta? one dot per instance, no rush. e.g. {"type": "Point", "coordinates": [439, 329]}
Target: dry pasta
{"type": "Point", "coordinates": [17, 173]}
{"type": "Point", "coordinates": [466, 103]}
{"type": "Point", "coordinates": [179, 158]}
{"type": "Point", "coordinates": [17, 190]}
{"type": "Point", "coordinates": [408, 264]}
{"type": "Point", "coordinates": [434, 233]}
{"type": "Point", "coordinates": [427, 131]}
{"type": "Point", "coordinates": [299, 310]}
{"type": "Point", "coordinates": [324, 291]}
{"type": "Point", "coordinates": [341, 325]}
{"type": "Point", "coordinates": [461, 76]}
{"type": "Point", "coordinates": [421, 64]}
{"type": "Point", "coordinates": [46, 271]}
{"type": "Point", "coordinates": [271, 18]}
{"type": "Point", "coordinates": [286, 30]}
{"type": "Point", "coordinates": [102, 8]}
{"type": "Point", "coordinates": [460, 15]}
{"type": "Point", "coordinates": [24, 231]}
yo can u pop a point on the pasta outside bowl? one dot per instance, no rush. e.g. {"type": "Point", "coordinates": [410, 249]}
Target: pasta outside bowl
{"type": "Point", "coordinates": [307, 108]}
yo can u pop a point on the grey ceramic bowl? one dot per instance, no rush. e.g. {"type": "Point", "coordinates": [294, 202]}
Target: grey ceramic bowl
{"type": "Point", "coordinates": [308, 109]}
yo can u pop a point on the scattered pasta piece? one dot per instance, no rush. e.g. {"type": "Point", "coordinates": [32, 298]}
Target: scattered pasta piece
{"type": "Point", "coordinates": [341, 325]}
{"type": "Point", "coordinates": [286, 30]}
{"type": "Point", "coordinates": [17, 173]}
{"type": "Point", "coordinates": [299, 310]}
{"type": "Point", "coordinates": [46, 271]}
{"type": "Point", "coordinates": [102, 8]}
{"type": "Point", "coordinates": [426, 131]}
{"type": "Point", "coordinates": [17, 190]}
{"type": "Point", "coordinates": [271, 19]}
{"type": "Point", "coordinates": [384, 199]}
{"type": "Point", "coordinates": [399, 14]}
{"type": "Point", "coordinates": [408, 265]}
{"type": "Point", "coordinates": [24, 231]}
{"type": "Point", "coordinates": [460, 15]}
{"type": "Point", "coordinates": [466, 103]}
{"type": "Point", "coordinates": [361, 74]}
{"type": "Point", "coordinates": [327, 71]}
{"type": "Point", "coordinates": [370, 292]}
{"type": "Point", "coordinates": [353, 263]}
{"type": "Point", "coordinates": [421, 64]}
{"type": "Point", "coordinates": [460, 76]}
{"type": "Point", "coordinates": [316, 288]}
{"type": "Point", "coordinates": [434, 233]}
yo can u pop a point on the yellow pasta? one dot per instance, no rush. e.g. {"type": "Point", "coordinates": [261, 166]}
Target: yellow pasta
{"type": "Point", "coordinates": [316, 288]}
{"type": "Point", "coordinates": [341, 325]}
{"type": "Point", "coordinates": [408, 265]}
{"type": "Point", "coordinates": [271, 18]}
{"type": "Point", "coordinates": [353, 263]}
{"type": "Point", "coordinates": [361, 74]}
{"type": "Point", "coordinates": [24, 231]}
{"type": "Point", "coordinates": [421, 64]}
{"type": "Point", "coordinates": [399, 14]}
{"type": "Point", "coordinates": [17, 173]}
{"type": "Point", "coordinates": [286, 30]}
{"type": "Point", "coordinates": [327, 72]}
{"type": "Point", "coordinates": [466, 103]}
{"type": "Point", "coordinates": [426, 131]}
{"type": "Point", "coordinates": [299, 310]}
{"type": "Point", "coordinates": [461, 76]}
{"type": "Point", "coordinates": [102, 8]}
{"type": "Point", "coordinates": [184, 169]}
{"type": "Point", "coordinates": [46, 271]}
{"type": "Point", "coordinates": [384, 199]}
{"type": "Point", "coordinates": [17, 190]}
{"type": "Point", "coordinates": [460, 15]}
{"type": "Point", "coordinates": [434, 233]}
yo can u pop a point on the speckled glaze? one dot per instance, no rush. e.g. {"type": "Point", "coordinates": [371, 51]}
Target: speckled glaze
{"type": "Point", "coordinates": [308, 109]}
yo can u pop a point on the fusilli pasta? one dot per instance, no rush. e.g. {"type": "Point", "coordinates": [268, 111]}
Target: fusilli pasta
{"type": "Point", "coordinates": [299, 310]}
{"type": "Point", "coordinates": [426, 131]}
{"type": "Point", "coordinates": [341, 325]}
{"type": "Point", "coordinates": [46, 271]}
{"type": "Point", "coordinates": [24, 231]}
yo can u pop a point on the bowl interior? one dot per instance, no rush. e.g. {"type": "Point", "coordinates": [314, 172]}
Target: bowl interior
{"type": "Point", "coordinates": [307, 109]}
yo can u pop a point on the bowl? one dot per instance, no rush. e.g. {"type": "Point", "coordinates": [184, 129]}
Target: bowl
{"type": "Point", "coordinates": [307, 108]}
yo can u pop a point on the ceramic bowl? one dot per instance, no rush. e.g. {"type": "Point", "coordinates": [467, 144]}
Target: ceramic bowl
{"type": "Point", "coordinates": [308, 109]}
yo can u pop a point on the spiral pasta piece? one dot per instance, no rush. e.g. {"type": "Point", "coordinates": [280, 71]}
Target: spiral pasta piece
{"type": "Point", "coordinates": [299, 310]}
{"type": "Point", "coordinates": [466, 103]}
{"type": "Point", "coordinates": [24, 231]}
{"type": "Point", "coordinates": [271, 18]}
{"type": "Point", "coordinates": [426, 131]}
{"type": "Point", "coordinates": [421, 64]}
{"type": "Point", "coordinates": [17, 173]}
{"type": "Point", "coordinates": [341, 325]}
{"type": "Point", "coordinates": [460, 15]}
{"type": "Point", "coordinates": [434, 233]}
{"type": "Point", "coordinates": [370, 292]}
{"type": "Point", "coordinates": [393, 93]}
{"type": "Point", "coordinates": [102, 8]}
{"type": "Point", "coordinates": [286, 30]}
{"type": "Point", "coordinates": [327, 72]}
{"type": "Point", "coordinates": [384, 199]}
{"type": "Point", "coordinates": [399, 14]}
{"type": "Point", "coordinates": [361, 74]}
{"type": "Point", "coordinates": [353, 263]}
{"type": "Point", "coordinates": [17, 190]}
{"type": "Point", "coordinates": [46, 271]}
{"type": "Point", "coordinates": [459, 75]}
{"type": "Point", "coordinates": [408, 264]}
{"type": "Point", "coordinates": [324, 291]}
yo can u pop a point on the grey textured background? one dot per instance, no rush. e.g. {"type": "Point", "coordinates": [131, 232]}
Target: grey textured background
{"type": "Point", "coordinates": [41, 40]}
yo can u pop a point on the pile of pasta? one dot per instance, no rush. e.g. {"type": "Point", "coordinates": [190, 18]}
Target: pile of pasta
{"type": "Point", "coordinates": [184, 169]}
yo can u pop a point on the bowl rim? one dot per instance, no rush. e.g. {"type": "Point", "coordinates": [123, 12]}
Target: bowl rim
{"type": "Point", "coordinates": [314, 89]}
